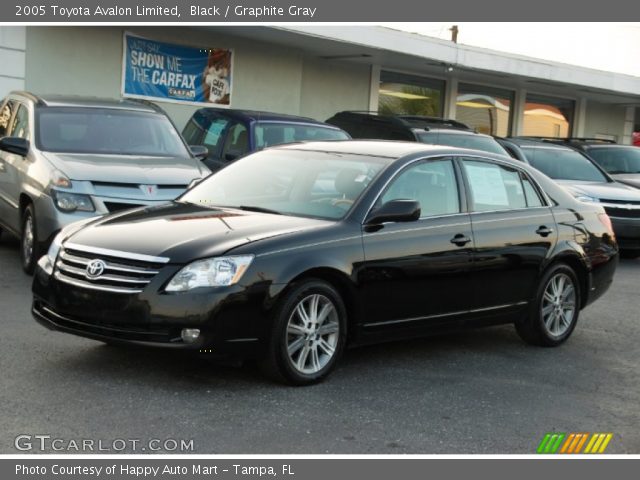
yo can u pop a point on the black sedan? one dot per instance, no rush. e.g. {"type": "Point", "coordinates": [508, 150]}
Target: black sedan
{"type": "Point", "coordinates": [290, 254]}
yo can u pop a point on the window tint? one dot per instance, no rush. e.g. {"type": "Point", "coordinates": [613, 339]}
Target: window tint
{"type": "Point", "coordinates": [20, 126]}
{"type": "Point", "coordinates": [494, 187]}
{"type": "Point", "coordinates": [433, 184]}
{"type": "Point", "coordinates": [616, 159]}
{"type": "Point", "coordinates": [563, 164]}
{"type": "Point", "coordinates": [463, 140]}
{"type": "Point", "coordinates": [5, 118]}
{"type": "Point", "coordinates": [107, 131]}
{"type": "Point", "coordinates": [269, 134]}
{"type": "Point", "coordinates": [236, 143]}
{"type": "Point", "coordinates": [533, 198]}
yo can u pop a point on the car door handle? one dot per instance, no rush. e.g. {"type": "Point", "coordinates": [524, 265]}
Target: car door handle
{"type": "Point", "coordinates": [460, 240]}
{"type": "Point", "coordinates": [544, 231]}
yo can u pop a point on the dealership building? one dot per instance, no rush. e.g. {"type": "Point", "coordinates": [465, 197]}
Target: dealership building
{"type": "Point", "coordinates": [316, 71]}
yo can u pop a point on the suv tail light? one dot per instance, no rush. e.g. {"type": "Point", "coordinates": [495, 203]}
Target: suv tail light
{"type": "Point", "coordinates": [606, 221]}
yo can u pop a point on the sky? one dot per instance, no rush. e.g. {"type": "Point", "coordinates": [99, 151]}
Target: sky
{"type": "Point", "coordinates": [613, 47]}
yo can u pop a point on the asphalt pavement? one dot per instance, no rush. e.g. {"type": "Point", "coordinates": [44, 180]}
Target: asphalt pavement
{"type": "Point", "coordinates": [481, 391]}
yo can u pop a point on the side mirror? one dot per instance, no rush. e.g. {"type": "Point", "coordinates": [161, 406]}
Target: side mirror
{"type": "Point", "coordinates": [16, 145]}
{"type": "Point", "coordinates": [395, 211]}
{"type": "Point", "coordinates": [199, 151]}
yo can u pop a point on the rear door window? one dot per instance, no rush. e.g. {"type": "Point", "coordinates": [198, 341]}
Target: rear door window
{"type": "Point", "coordinates": [494, 187]}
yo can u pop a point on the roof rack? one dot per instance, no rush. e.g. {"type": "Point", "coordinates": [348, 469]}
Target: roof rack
{"type": "Point", "coordinates": [29, 95]}
{"type": "Point", "coordinates": [589, 139]}
{"type": "Point", "coordinates": [435, 121]}
{"type": "Point", "coordinates": [416, 121]}
{"type": "Point", "coordinates": [148, 103]}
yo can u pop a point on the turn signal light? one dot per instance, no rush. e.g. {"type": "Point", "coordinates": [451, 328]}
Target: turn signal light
{"type": "Point", "coordinates": [606, 221]}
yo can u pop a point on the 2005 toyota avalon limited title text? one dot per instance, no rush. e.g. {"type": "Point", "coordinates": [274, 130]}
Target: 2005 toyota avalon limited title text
{"type": "Point", "coordinates": [111, 12]}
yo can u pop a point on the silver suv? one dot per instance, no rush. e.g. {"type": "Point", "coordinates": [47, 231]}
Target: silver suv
{"type": "Point", "coordinates": [64, 159]}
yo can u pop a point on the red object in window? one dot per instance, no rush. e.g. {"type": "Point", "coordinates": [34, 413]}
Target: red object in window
{"type": "Point", "coordinates": [636, 139]}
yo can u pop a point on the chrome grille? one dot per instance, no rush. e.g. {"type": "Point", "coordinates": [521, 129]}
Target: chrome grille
{"type": "Point", "coordinates": [123, 273]}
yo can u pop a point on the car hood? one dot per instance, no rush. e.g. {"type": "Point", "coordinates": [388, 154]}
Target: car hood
{"type": "Point", "coordinates": [186, 232]}
{"type": "Point", "coordinates": [601, 190]}
{"type": "Point", "coordinates": [127, 168]}
{"type": "Point", "coordinates": [632, 179]}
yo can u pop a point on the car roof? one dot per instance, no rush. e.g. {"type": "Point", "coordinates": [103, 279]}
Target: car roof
{"type": "Point", "coordinates": [404, 121]}
{"type": "Point", "coordinates": [384, 148]}
{"type": "Point", "coordinates": [257, 115]}
{"type": "Point", "coordinates": [531, 143]}
{"type": "Point", "coordinates": [78, 101]}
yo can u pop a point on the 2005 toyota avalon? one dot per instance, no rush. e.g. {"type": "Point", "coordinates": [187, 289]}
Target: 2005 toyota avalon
{"type": "Point", "coordinates": [290, 254]}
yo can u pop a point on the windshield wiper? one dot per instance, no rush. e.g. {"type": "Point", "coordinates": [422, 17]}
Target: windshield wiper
{"type": "Point", "coordinates": [255, 208]}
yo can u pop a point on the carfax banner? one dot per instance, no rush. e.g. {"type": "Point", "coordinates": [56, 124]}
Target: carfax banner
{"type": "Point", "coordinates": [177, 73]}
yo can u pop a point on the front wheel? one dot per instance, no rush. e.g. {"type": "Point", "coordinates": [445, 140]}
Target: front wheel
{"type": "Point", "coordinates": [554, 314]}
{"type": "Point", "coordinates": [29, 245]}
{"type": "Point", "coordinates": [308, 336]}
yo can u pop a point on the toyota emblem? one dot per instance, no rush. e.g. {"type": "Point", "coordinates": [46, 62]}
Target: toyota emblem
{"type": "Point", "coordinates": [95, 268]}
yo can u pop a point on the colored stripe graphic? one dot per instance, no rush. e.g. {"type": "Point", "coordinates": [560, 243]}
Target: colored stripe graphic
{"type": "Point", "coordinates": [550, 443]}
{"type": "Point", "coordinates": [572, 443]}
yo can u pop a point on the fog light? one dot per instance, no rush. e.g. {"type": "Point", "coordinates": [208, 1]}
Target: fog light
{"type": "Point", "coordinates": [190, 335]}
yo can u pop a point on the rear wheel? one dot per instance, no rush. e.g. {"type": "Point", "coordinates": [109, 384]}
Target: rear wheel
{"type": "Point", "coordinates": [554, 314]}
{"type": "Point", "coordinates": [309, 334]}
{"type": "Point", "coordinates": [29, 245]}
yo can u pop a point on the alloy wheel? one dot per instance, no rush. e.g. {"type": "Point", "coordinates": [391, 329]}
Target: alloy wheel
{"type": "Point", "coordinates": [312, 333]}
{"type": "Point", "coordinates": [558, 306]}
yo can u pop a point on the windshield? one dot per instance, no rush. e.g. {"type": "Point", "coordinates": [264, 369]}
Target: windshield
{"type": "Point", "coordinates": [563, 164]}
{"type": "Point", "coordinates": [107, 131]}
{"type": "Point", "coordinates": [462, 140]}
{"type": "Point", "coordinates": [617, 159]}
{"type": "Point", "coordinates": [271, 133]}
{"type": "Point", "coordinates": [294, 182]}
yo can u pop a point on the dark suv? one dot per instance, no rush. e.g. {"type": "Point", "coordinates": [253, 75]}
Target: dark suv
{"type": "Point", "coordinates": [414, 128]}
{"type": "Point", "coordinates": [230, 134]}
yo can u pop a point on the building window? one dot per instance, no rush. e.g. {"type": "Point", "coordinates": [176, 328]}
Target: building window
{"type": "Point", "coordinates": [410, 95]}
{"type": "Point", "coordinates": [548, 116]}
{"type": "Point", "coordinates": [486, 109]}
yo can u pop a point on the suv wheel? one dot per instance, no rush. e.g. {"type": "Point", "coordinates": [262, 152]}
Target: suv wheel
{"type": "Point", "coordinates": [309, 334]}
{"type": "Point", "coordinates": [555, 312]}
{"type": "Point", "coordinates": [29, 245]}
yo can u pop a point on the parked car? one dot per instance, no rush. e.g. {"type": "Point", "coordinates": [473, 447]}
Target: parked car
{"type": "Point", "coordinates": [636, 139]}
{"type": "Point", "coordinates": [589, 183]}
{"type": "Point", "coordinates": [230, 134]}
{"type": "Point", "coordinates": [621, 162]}
{"type": "Point", "coordinates": [262, 259]}
{"type": "Point", "coordinates": [63, 159]}
{"type": "Point", "coordinates": [413, 128]}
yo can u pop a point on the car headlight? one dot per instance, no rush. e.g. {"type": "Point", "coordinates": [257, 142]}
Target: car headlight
{"type": "Point", "coordinates": [585, 198]}
{"type": "Point", "coordinates": [210, 272]}
{"type": "Point", "coordinates": [70, 202]}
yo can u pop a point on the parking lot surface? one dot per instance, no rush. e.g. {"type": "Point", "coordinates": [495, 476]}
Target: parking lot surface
{"type": "Point", "coordinates": [482, 391]}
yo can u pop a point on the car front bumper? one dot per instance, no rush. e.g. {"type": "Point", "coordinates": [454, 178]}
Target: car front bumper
{"type": "Point", "coordinates": [232, 320]}
{"type": "Point", "coordinates": [627, 232]}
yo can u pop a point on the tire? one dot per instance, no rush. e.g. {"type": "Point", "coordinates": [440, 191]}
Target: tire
{"type": "Point", "coordinates": [29, 245]}
{"type": "Point", "coordinates": [554, 314]}
{"type": "Point", "coordinates": [308, 334]}
{"type": "Point", "coordinates": [630, 254]}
